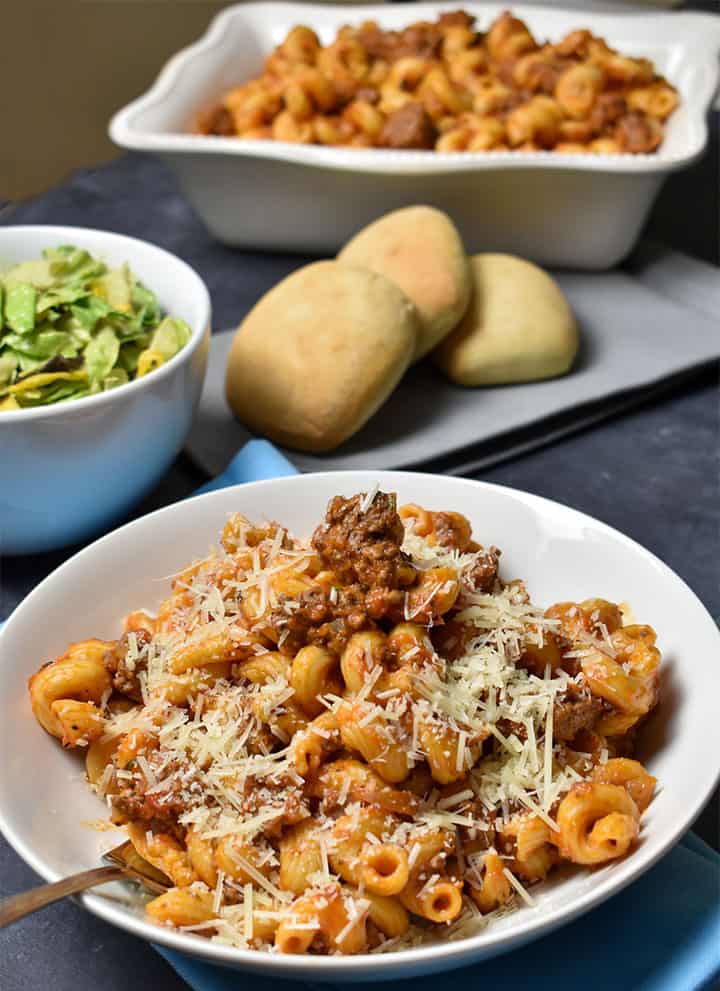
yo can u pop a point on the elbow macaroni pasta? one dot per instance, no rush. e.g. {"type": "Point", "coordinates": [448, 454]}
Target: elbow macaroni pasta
{"type": "Point", "coordinates": [321, 760]}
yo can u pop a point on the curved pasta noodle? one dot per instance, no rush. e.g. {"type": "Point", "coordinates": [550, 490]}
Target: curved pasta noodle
{"type": "Point", "coordinates": [409, 643]}
{"type": "Point", "coordinates": [201, 852]}
{"type": "Point", "coordinates": [367, 730]}
{"type": "Point", "coordinates": [284, 723]}
{"type": "Point", "coordinates": [434, 595]}
{"type": "Point", "coordinates": [388, 914]}
{"type": "Point", "coordinates": [450, 752]}
{"type": "Point", "coordinates": [431, 892]}
{"type": "Point", "coordinates": [354, 781]}
{"type": "Point", "coordinates": [458, 40]}
{"type": "Point", "coordinates": [98, 757]}
{"type": "Point", "coordinates": [535, 854]}
{"type": "Point", "coordinates": [382, 868]}
{"type": "Point", "coordinates": [537, 121]}
{"type": "Point", "coordinates": [473, 132]}
{"type": "Point", "coordinates": [163, 852]}
{"type": "Point", "coordinates": [78, 675]}
{"type": "Point", "coordinates": [438, 901]}
{"type": "Point", "coordinates": [136, 742]}
{"type": "Point", "coordinates": [140, 620]}
{"type": "Point", "coordinates": [589, 618]}
{"type": "Point", "coordinates": [493, 889]}
{"type": "Point", "coordinates": [331, 129]}
{"type": "Point", "coordinates": [266, 667]}
{"type": "Point", "coordinates": [509, 38]}
{"type": "Point", "coordinates": [182, 688]}
{"type": "Point", "coordinates": [345, 63]}
{"type": "Point", "coordinates": [313, 744]}
{"type": "Point", "coordinates": [82, 722]}
{"type": "Point", "coordinates": [449, 749]}
{"type": "Point", "coordinates": [578, 88]}
{"type": "Point", "coordinates": [182, 907]}
{"type": "Point", "coordinates": [598, 822]}
{"type": "Point", "coordinates": [609, 680]}
{"type": "Point", "coordinates": [577, 133]}
{"type": "Point", "coordinates": [300, 856]}
{"type": "Point", "coordinates": [365, 117]}
{"type": "Point", "coordinates": [240, 859]}
{"type": "Point", "coordinates": [658, 100]}
{"type": "Point", "coordinates": [441, 96]}
{"type": "Point", "coordinates": [325, 912]}
{"type": "Point", "coordinates": [209, 651]}
{"type": "Point", "coordinates": [419, 519]}
{"type": "Point", "coordinates": [364, 652]}
{"type": "Point", "coordinates": [309, 91]}
{"type": "Point", "coordinates": [628, 681]}
{"type": "Point", "coordinates": [635, 646]}
{"type": "Point", "coordinates": [296, 934]}
{"type": "Point", "coordinates": [629, 774]}
{"type": "Point", "coordinates": [622, 69]}
{"type": "Point", "coordinates": [301, 45]}
{"type": "Point", "coordinates": [313, 673]}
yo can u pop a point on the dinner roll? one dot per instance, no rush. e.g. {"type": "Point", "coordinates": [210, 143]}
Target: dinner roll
{"type": "Point", "coordinates": [319, 353]}
{"type": "Point", "coordinates": [420, 250]}
{"type": "Point", "coordinates": [518, 327]}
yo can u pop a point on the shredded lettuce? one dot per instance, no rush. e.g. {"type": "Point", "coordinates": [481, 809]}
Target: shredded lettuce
{"type": "Point", "coordinates": [70, 326]}
{"type": "Point", "coordinates": [20, 305]}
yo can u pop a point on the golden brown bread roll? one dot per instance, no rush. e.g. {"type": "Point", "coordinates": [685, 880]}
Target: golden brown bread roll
{"type": "Point", "coordinates": [319, 353]}
{"type": "Point", "coordinates": [518, 326]}
{"type": "Point", "coordinates": [420, 250]}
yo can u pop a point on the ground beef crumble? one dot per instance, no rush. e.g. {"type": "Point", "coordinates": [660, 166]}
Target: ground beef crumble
{"type": "Point", "coordinates": [182, 788]}
{"type": "Point", "coordinates": [362, 548]}
{"type": "Point", "coordinates": [329, 619]}
{"type": "Point", "coordinates": [126, 673]}
{"type": "Point", "coordinates": [320, 617]}
{"type": "Point", "coordinates": [363, 545]}
{"type": "Point", "coordinates": [409, 127]}
{"type": "Point", "coordinates": [483, 575]}
{"type": "Point", "coordinates": [576, 710]}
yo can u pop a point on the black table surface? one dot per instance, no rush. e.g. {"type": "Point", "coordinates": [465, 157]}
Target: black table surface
{"type": "Point", "coordinates": [651, 473]}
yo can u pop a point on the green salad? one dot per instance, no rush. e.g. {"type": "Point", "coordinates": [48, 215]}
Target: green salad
{"type": "Point", "coordinates": [71, 327]}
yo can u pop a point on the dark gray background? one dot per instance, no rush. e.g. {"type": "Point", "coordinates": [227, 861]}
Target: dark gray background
{"type": "Point", "coordinates": [651, 473]}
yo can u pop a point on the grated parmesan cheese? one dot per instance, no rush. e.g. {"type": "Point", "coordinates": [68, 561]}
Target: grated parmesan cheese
{"type": "Point", "coordinates": [369, 498]}
{"type": "Point", "coordinates": [520, 888]}
{"type": "Point", "coordinates": [248, 911]}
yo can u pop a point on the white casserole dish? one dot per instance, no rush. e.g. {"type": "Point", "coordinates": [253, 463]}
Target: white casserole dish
{"type": "Point", "coordinates": [566, 210]}
{"type": "Point", "coordinates": [583, 211]}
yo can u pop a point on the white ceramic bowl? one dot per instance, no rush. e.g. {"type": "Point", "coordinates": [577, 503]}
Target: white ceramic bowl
{"type": "Point", "coordinates": [580, 211]}
{"type": "Point", "coordinates": [562, 554]}
{"type": "Point", "coordinates": [71, 470]}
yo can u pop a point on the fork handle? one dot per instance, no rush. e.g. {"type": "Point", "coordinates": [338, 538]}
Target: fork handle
{"type": "Point", "coordinates": [18, 906]}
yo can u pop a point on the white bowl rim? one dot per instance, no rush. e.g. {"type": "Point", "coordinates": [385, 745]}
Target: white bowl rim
{"type": "Point", "coordinates": [129, 388]}
{"type": "Point", "coordinates": [123, 132]}
{"type": "Point", "coordinates": [370, 966]}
